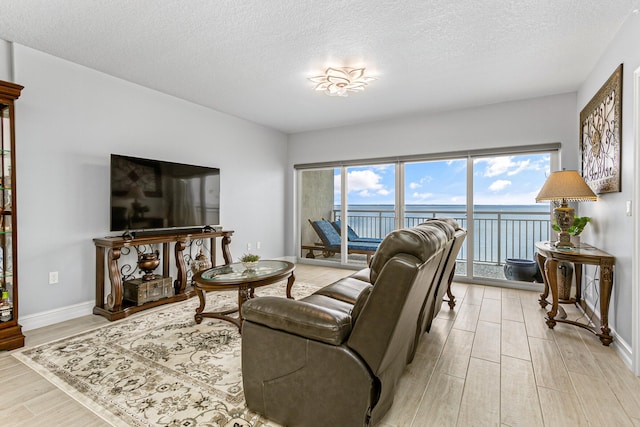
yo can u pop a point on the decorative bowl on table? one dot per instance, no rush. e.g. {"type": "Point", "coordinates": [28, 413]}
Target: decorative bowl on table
{"type": "Point", "coordinates": [250, 265]}
{"type": "Point", "coordinates": [250, 261]}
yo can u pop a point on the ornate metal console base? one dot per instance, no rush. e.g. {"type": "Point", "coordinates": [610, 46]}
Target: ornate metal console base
{"type": "Point", "coordinates": [108, 252]}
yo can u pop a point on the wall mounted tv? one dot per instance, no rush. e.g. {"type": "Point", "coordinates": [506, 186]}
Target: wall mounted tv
{"type": "Point", "coordinates": [152, 194]}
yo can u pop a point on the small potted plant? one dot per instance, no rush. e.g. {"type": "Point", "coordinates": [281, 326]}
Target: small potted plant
{"type": "Point", "coordinates": [579, 223]}
{"type": "Point", "coordinates": [249, 261]}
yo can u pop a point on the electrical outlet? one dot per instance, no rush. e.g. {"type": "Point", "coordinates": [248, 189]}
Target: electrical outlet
{"type": "Point", "coordinates": [248, 246]}
{"type": "Point", "coordinates": [257, 245]}
{"type": "Point", "coordinates": [53, 277]}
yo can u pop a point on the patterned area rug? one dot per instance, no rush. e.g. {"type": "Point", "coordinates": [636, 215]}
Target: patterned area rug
{"type": "Point", "coordinates": [157, 368]}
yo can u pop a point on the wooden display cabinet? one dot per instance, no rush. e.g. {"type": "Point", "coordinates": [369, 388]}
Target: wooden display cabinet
{"type": "Point", "coordinates": [11, 336]}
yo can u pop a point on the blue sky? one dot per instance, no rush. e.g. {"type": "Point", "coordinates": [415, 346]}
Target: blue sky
{"type": "Point", "coordinates": [507, 180]}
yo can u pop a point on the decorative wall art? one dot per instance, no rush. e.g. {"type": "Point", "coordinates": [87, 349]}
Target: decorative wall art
{"type": "Point", "coordinates": [600, 136]}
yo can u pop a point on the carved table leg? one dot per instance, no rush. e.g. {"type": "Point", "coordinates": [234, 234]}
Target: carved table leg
{"type": "Point", "coordinates": [202, 297]}
{"type": "Point", "coordinates": [100, 277]}
{"type": "Point", "coordinates": [180, 283]}
{"type": "Point", "coordinates": [226, 252]}
{"type": "Point", "coordinates": [244, 294]}
{"type": "Point", "coordinates": [545, 293]}
{"type": "Point", "coordinates": [290, 281]}
{"type": "Point", "coordinates": [551, 271]}
{"type": "Point", "coordinates": [577, 271]}
{"type": "Point", "coordinates": [452, 298]}
{"type": "Point", "coordinates": [606, 283]}
{"type": "Point", "coordinates": [114, 299]}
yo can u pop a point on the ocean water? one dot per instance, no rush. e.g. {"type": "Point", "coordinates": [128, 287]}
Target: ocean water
{"type": "Point", "coordinates": [501, 231]}
{"type": "Point", "coordinates": [538, 208]}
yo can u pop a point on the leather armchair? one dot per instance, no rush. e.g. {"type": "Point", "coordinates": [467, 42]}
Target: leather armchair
{"type": "Point", "coordinates": [335, 357]}
{"type": "Point", "coordinates": [446, 274]}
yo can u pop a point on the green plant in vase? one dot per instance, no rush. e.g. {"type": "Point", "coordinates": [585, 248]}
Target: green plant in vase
{"type": "Point", "coordinates": [249, 261]}
{"type": "Point", "coordinates": [579, 223]}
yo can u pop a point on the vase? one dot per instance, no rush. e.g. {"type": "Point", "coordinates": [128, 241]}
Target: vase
{"type": "Point", "coordinates": [564, 275]}
{"type": "Point", "coordinates": [148, 263]}
{"type": "Point", "coordinates": [250, 265]}
{"type": "Point", "coordinates": [523, 270]}
{"type": "Point", "coordinates": [576, 241]}
{"type": "Point", "coordinates": [200, 263]}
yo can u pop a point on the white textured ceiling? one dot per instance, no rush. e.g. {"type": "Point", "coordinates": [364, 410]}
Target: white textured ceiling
{"type": "Point", "coordinates": [251, 58]}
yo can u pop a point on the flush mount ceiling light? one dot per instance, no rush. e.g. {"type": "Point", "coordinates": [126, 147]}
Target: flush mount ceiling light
{"type": "Point", "coordinates": [341, 81]}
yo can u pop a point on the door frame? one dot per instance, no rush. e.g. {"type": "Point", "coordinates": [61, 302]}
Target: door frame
{"type": "Point", "coordinates": [635, 289]}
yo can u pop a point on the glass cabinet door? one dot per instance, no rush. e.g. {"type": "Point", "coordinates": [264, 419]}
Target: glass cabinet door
{"type": "Point", "coordinates": [6, 255]}
{"type": "Point", "coordinates": [10, 331]}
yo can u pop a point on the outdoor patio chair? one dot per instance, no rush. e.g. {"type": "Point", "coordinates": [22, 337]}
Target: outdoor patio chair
{"type": "Point", "coordinates": [352, 236]}
{"type": "Point", "coordinates": [331, 242]}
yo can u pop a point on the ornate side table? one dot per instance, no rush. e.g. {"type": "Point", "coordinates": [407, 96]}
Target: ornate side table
{"type": "Point", "coordinates": [548, 258]}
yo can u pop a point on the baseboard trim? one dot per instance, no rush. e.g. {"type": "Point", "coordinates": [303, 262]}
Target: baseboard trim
{"type": "Point", "coordinates": [47, 318]}
{"type": "Point", "coordinates": [623, 349]}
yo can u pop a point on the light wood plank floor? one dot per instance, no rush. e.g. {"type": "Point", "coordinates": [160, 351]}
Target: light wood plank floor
{"type": "Point", "coordinates": [491, 361]}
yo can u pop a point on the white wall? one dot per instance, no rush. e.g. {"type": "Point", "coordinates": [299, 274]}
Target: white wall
{"type": "Point", "coordinates": [69, 119]}
{"type": "Point", "coordinates": [5, 61]}
{"type": "Point", "coordinates": [611, 228]}
{"type": "Point", "coordinates": [534, 121]}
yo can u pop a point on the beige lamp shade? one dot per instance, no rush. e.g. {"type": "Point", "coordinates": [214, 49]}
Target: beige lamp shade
{"type": "Point", "coordinates": [565, 186]}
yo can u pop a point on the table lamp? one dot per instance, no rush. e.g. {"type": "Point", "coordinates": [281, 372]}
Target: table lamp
{"type": "Point", "coordinates": [565, 186]}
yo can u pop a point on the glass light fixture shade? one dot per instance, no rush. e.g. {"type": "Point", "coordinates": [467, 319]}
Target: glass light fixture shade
{"type": "Point", "coordinates": [565, 186]}
{"type": "Point", "coordinates": [341, 81]}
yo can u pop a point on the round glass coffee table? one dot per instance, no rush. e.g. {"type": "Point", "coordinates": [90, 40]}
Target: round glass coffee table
{"type": "Point", "coordinates": [237, 277]}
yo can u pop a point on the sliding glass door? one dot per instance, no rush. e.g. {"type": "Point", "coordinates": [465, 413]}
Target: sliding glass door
{"type": "Point", "coordinates": [370, 209]}
{"type": "Point", "coordinates": [491, 196]}
{"type": "Point", "coordinates": [437, 189]}
{"type": "Point", "coordinates": [506, 219]}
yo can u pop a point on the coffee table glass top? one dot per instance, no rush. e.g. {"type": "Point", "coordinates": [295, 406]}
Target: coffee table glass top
{"type": "Point", "coordinates": [237, 273]}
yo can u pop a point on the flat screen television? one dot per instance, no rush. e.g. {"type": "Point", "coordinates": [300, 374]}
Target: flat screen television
{"type": "Point", "coordinates": [153, 194]}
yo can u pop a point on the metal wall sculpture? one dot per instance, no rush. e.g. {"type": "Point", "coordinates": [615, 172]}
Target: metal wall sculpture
{"type": "Point", "coordinates": [601, 135]}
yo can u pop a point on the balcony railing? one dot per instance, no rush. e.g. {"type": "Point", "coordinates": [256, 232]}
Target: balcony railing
{"type": "Point", "coordinates": [498, 235]}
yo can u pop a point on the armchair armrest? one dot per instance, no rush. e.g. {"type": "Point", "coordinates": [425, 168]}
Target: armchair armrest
{"type": "Point", "coordinates": [299, 318]}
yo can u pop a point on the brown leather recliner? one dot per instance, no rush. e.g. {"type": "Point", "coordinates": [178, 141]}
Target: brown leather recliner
{"type": "Point", "coordinates": [446, 274]}
{"type": "Point", "coordinates": [349, 289]}
{"type": "Point", "coordinates": [335, 357]}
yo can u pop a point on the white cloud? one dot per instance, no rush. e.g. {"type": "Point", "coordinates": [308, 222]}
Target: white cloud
{"type": "Point", "coordinates": [365, 183]}
{"type": "Point", "coordinates": [424, 180]}
{"type": "Point", "coordinates": [499, 185]}
{"type": "Point", "coordinates": [498, 165]}
{"type": "Point", "coordinates": [520, 167]}
{"type": "Point", "coordinates": [505, 165]}
{"type": "Point", "coordinates": [421, 197]}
